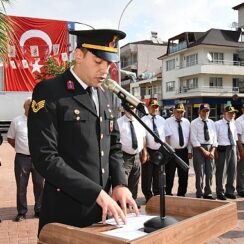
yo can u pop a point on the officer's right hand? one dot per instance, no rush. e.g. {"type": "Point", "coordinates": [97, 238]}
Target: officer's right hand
{"type": "Point", "coordinates": [110, 208]}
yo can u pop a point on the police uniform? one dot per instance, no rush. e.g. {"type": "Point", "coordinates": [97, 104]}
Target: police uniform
{"type": "Point", "coordinates": [76, 148]}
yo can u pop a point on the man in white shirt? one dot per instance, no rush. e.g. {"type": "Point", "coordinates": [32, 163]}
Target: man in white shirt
{"type": "Point", "coordinates": [179, 138]}
{"type": "Point", "coordinates": [204, 141]}
{"type": "Point", "coordinates": [240, 163]}
{"type": "Point", "coordinates": [226, 154]}
{"type": "Point", "coordinates": [132, 138]}
{"type": "Point", "coordinates": [23, 167]}
{"type": "Point", "coordinates": [150, 171]}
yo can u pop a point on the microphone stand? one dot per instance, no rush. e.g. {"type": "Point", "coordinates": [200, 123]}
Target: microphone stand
{"type": "Point", "coordinates": [164, 154]}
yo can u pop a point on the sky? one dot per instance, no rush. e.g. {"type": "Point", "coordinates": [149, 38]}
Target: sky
{"type": "Point", "coordinates": [166, 17]}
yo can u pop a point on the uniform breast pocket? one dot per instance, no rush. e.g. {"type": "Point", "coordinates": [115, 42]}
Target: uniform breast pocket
{"type": "Point", "coordinates": [75, 115]}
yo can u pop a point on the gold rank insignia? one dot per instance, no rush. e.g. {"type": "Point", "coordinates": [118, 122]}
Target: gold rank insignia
{"type": "Point", "coordinates": [37, 106]}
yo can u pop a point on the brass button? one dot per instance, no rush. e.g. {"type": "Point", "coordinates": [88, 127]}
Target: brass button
{"type": "Point", "coordinates": [101, 119]}
{"type": "Point", "coordinates": [109, 110]}
{"type": "Point", "coordinates": [103, 170]}
{"type": "Point", "coordinates": [108, 105]}
{"type": "Point", "coordinates": [102, 153]}
{"type": "Point", "coordinates": [78, 118]}
{"type": "Point", "coordinates": [58, 189]}
{"type": "Point", "coordinates": [76, 111]}
{"type": "Point", "coordinates": [101, 136]}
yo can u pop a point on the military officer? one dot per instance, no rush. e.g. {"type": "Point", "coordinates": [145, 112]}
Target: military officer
{"type": "Point", "coordinates": [74, 138]}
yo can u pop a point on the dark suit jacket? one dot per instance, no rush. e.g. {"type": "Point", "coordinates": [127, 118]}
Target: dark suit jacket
{"type": "Point", "coordinates": [77, 152]}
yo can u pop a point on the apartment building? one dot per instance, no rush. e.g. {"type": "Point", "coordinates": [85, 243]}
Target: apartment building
{"type": "Point", "coordinates": [141, 58]}
{"type": "Point", "coordinates": [204, 67]}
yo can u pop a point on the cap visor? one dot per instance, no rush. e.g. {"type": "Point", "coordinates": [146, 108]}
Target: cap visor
{"type": "Point", "coordinates": [108, 56]}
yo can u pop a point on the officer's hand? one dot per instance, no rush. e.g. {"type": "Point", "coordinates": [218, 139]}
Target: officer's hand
{"type": "Point", "coordinates": [110, 207]}
{"type": "Point", "coordinates": [123, 195]}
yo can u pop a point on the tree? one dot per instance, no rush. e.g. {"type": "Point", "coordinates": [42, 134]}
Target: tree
{"type": "Point", "coordinates": [5, 30]}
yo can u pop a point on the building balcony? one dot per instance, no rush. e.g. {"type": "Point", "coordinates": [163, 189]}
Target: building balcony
{"type": "Point", "coordinates": [207, 91]}
{"type": "Point", "coordinates": [224, 68]}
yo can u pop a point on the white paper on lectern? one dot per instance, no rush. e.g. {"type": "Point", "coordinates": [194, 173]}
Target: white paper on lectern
{"type": "Point", "coordinates": [132, 230]}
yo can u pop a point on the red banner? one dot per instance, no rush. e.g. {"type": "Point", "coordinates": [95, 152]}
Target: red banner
{"type": "Point", "coordinates": [33, 42]}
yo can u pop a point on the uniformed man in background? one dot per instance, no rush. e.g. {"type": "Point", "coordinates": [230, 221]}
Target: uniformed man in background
{"type": "Point", "coordinates": [74, 138]}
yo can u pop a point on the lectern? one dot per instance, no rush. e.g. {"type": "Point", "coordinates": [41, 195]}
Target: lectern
{"type": "Point", "coordinates": [200, 220]}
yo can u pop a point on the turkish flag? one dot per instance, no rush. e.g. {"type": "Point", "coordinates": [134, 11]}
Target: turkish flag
{"type": "Point", "coordinates": [113, 71]}
{"type": "Point", "coordinates": [34, 40]}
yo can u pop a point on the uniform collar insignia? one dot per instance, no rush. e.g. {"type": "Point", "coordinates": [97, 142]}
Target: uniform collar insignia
{"type": "Point", "coordinates": [70, 85]}
{"type": "Point", "coordinates": [36, 106]}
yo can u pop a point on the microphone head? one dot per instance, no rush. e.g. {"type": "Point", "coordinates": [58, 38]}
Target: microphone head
{"type": "Point", "coordinates": [109, 84]}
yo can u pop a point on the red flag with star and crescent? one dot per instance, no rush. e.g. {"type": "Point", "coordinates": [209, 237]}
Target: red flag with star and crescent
{"type": "Point", "coordinates": [34, 40]}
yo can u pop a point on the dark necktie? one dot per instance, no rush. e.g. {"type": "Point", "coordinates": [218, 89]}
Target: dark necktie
{"type": "Point", "coordinates": [181, 137]}
{"type": "Point", "coordinates": [230, 136]}
{"type": "Point", "coordinates": [133, 136]}
{"type": "Point", "coordinates": [155, 129]}
{"type": "Point", "coordinates": [89, 91]}
{"type": "Point", "coordinates": [206, 132]}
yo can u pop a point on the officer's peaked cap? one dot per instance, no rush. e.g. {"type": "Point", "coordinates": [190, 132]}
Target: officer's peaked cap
{"type": "Point", "coordinates": [101, 42]}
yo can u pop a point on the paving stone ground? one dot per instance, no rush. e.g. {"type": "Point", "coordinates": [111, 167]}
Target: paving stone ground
{"type": "Point", "coordinates": [25, 232]}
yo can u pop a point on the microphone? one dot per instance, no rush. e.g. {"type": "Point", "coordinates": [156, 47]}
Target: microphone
{"type": "Point", "coordinates": [114, 87]}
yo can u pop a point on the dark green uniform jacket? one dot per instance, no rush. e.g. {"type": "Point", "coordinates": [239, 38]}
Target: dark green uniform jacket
{"type": "Point", "coordinates": [77, 152]}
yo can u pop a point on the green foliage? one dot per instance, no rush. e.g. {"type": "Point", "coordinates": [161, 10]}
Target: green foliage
{"type": "Point", "coordinates": [6, 30]}
{"type": "Point", "coordinates": [52, 67]}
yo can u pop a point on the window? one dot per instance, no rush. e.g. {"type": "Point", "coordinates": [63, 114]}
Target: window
{"type": "Point", "coordinates": [192, 83]}
{"type": "Point", "coordinates": [170, 86]}
{"type": "Point", "coordinates": [216, 82]}
{"type": "Point", "coordinates": [170, 64]}
{"type": "Point", "coordinates": [191, 60]}
{"type": "Point", "coordinates": [217, 58]}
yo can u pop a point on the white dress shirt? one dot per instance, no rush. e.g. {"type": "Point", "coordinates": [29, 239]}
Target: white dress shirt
{"type": "Point", "coordinates": [197, 132]}
{"type": "Point", "coordinates": [18, 132]}
{"type": "Point", "coordinates": [125, 134]}
{"type": "Point", "coordinates": [240, 127]}
{"type": "Point", "coordinates": [173, 133]}
{"type": "Point", "coordinates": [222, 132]}
{"type": "Point", "coordinates": [160, 123]}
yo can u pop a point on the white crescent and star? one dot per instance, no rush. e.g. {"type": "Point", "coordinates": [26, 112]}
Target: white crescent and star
{"type": "Point", "coordinates": [40, 34]}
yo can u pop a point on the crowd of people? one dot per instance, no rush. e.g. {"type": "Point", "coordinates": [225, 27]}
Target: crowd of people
{"type": "Point", "coordinates": [86, 164]}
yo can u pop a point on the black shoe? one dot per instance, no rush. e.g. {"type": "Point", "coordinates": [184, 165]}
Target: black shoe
{"type": "Point", "coordinates": [37, 215]}
{"type": "Point", "coordinates": [198, 196]}
{"type": "Point", "coordinates": [221, 197]}
{"type": "Point", "coordinates": [20, 217]}
{"type": "Point", "coordinates": [231, 196]}
{"type": "Point", "coordinates": [208, 197]}
{"type": "Point", "coordinates": [241, 194]}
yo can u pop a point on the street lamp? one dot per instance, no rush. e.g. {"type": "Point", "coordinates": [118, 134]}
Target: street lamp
{"type": "Point", "coordinates": [117, 101]}
{"type": "Point", "coordinates": [120, 18]}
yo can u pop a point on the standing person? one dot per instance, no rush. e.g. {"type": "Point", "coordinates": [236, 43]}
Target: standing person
{"type": "Point", "coordinates": [226, 154]}
{"type": "Point", "coordinates": [204, 141]}
{"type": "Point", "coordinates": [132, 138]}
{"type": "Point", "coordinates": [240, 163]}
{"type": "Point", "coordinates": [23, 166]}
{"type": "Point", "coordinates": [179, 138]}
{"type": "Point", "coordinates": [150, 171]}
{"type": "Point", "coordinates": [74, 138]}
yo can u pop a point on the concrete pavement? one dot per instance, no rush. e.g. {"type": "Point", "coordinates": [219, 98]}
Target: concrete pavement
{"type": "Point", "coordinates": [25, 232]}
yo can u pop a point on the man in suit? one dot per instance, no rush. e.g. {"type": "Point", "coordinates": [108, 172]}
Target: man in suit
{"type": "Point", "coordinates": [74, 138]}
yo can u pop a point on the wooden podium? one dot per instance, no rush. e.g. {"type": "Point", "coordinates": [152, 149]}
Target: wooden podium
{"type": "Point", "coordinates": [201, 221]}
